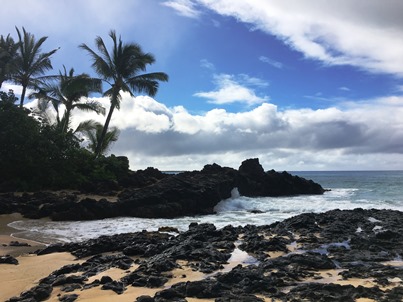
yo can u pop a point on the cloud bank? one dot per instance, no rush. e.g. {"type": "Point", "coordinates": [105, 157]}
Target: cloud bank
{"type": "Point", "coordinates": [304, 139]}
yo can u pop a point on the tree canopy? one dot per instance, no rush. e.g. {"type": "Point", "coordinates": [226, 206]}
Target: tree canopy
{"type": "Point", "coordinates": [37, 153]}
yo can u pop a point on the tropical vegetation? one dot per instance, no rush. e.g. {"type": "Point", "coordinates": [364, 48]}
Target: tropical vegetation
{"type": "Point", "coordinates": [41, 150]}
{"type": "Point", "coordinates": [122, 69]}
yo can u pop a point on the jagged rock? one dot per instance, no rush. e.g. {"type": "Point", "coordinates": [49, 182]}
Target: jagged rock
{"type": "Point", "coordinates": [145, 299]}
{"type": "Point", "coordinates": [16, 243]}
{"type": "Point", "coordinates": [240, 298]}
{"type": "Point", "coordinates": [322, 245]}
{"type": "Point", "coordinates": [152, 194]}
{"type": "Point", "coordinates": [63, 280]}
{"type": "Point", "coordinates": [254, 182]}
{"type": "Point", "coordinates": [68, 298]}
{"type": "Point", "coordinates": [71, 287]}
{"type": "Point", "coordinates": [116, 286]}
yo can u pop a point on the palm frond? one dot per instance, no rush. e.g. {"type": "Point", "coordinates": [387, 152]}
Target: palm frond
{"type": "Point", "coordinates": [87, 125]}
{"type": "Point", "coordinates": [30, 61]}
{"type": "Point", "coordinates": [91, 106]}
{"type": "Point", "coordinates": [147, 83]}
{"type": "Point", "coordinates": [100, 66]}
{"type": "Point", "coordinates": [92, 131]}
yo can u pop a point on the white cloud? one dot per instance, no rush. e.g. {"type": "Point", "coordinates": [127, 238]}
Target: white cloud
{"type": "Point", "coordinates": [356, 135]}
{"type": "Point", "coordinates": [230, 89]}
{"type": "Point", "coordinates": [344, 88]}
{"type": "Point", "coordinates": [366, 34]}
{"type": "Point", "coordinates": [184, 8]}
{"type": "Point", "coordinates": [207, 64]}
{"type": "Point", "coordinates": [251, 81]}
{"type": "Point", "coordinates": [142, 113]}
{"type": "Point", "coordinates": [17, 89]}
{"type": "Point", "coordinates": [271, 62]}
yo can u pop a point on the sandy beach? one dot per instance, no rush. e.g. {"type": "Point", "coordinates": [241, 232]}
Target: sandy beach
{"type": "Point", "coordinates": [15, 279]}
{"type": "Point", "coordinates": [31, 268]}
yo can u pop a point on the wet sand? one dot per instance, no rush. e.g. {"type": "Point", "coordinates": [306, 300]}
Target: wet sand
{"type": "Point", "coordinates": [15, 279]}
{"type": "Point", "coordinates": [8, 235]}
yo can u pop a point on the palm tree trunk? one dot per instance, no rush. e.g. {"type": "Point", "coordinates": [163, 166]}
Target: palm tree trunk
{"type": "Point", "coordinates": [24, 90]}
{"type": "Point", "coordinates": [66, 120]}
{"type": "Point", "coordinates": [105, 129]}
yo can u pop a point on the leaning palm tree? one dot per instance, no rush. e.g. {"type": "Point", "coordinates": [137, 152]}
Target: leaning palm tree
{"type": "Point", "coordinates": [122, 69]}
{"type": "Point", "coordinates": [30, 61]}
{"type": "Point", "coordinates": [8, 53]}
{"type": "Point", "coordinates": [71, 91]}
{"type": "Point", "coordinates": [92, 130]}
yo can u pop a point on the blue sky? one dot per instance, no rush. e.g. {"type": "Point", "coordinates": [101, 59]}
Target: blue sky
{"type": "Point", "coordinates": [300, 84]}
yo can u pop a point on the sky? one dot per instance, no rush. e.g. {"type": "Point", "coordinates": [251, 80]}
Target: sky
{"type": "Point", "coordinates": [299, 84]}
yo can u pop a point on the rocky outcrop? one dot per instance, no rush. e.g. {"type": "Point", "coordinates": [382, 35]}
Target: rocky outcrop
{"type": "Point", "coordinates": [152, 194]}
{"type": "Point", "coordinates": [253, 182]}
{"type": "Point", "coordinates": [187, 193]}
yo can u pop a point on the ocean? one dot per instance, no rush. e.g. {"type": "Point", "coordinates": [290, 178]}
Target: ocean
{"type": "Point", "coordinates": [348, 190]}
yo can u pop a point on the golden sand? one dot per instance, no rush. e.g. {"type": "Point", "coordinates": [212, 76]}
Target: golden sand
{"type": "Point", "coordinates": [31, 268]}
{"type": "Point", "coordinates": [15, 279]}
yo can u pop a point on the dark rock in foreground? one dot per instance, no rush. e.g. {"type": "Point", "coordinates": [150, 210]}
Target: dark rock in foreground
{"type": "Point", "coordinates": [7, 259]}
{"type": "Point", "coordinates": [317, 257]}
{"type": "Point", "coordinates": [153, 194]}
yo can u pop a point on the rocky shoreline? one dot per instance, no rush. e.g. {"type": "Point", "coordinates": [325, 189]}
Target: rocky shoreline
{"type": "Point", "coordinates": [340, 255]}
{"type": "Point", "coordinates": [152, 194]}
{"type": "Point", "coordinates": [350, 255]}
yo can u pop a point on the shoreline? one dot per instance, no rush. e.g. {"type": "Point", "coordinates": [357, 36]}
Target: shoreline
{"type": "Point", "coordinates": [274, 262]}
{"type": "Point", "coordinates": [9, 235]}
{"type": "Point", "coordinates": [31, 268]}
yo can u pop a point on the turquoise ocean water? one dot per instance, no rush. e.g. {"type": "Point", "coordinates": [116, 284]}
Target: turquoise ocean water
{"type": "Point", "coordinates": [348, 190]}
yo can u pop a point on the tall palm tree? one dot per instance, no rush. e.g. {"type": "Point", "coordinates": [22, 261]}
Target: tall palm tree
{"type": "Point", "coordinates": [30, 61]}
{"type": "Point", "coordinates": [8, 52]}
{"type": "Point", "coordinates": [93, 130]}
{"type": "Point", "coordinates": [122, 69]}
{"type": "Point", "coordinates": [71, 91]}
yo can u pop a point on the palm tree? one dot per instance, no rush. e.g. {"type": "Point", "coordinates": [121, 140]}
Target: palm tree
{"type": "Point", "coordinates": [72, 92]}
{"type": "Point", "coordinates": [8, 52]}
{"type": "Point", "coordinates": [93, 130]}
{"type": "Point", "coordinates": [30, 62]}
{"type": "Point", "coordinates": [123, 70]}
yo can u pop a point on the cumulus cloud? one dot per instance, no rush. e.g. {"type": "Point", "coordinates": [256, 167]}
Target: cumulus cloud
{"type": "Point", "coordinates": [359, 135]}
{"type": "Point", "coordinates": [142, 113]}
{"type": "Point", "coordinates": [365, 34]}
{"type": "Point", "coordinates": [17, 89]}
{"type": "Point", "coordinates": [231, 89]}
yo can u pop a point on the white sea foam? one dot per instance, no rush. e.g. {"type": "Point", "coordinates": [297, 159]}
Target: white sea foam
{"type": "Point", "coordinates": [237, 210]}
{"type": "Point", "coordinates": [373, 220]}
